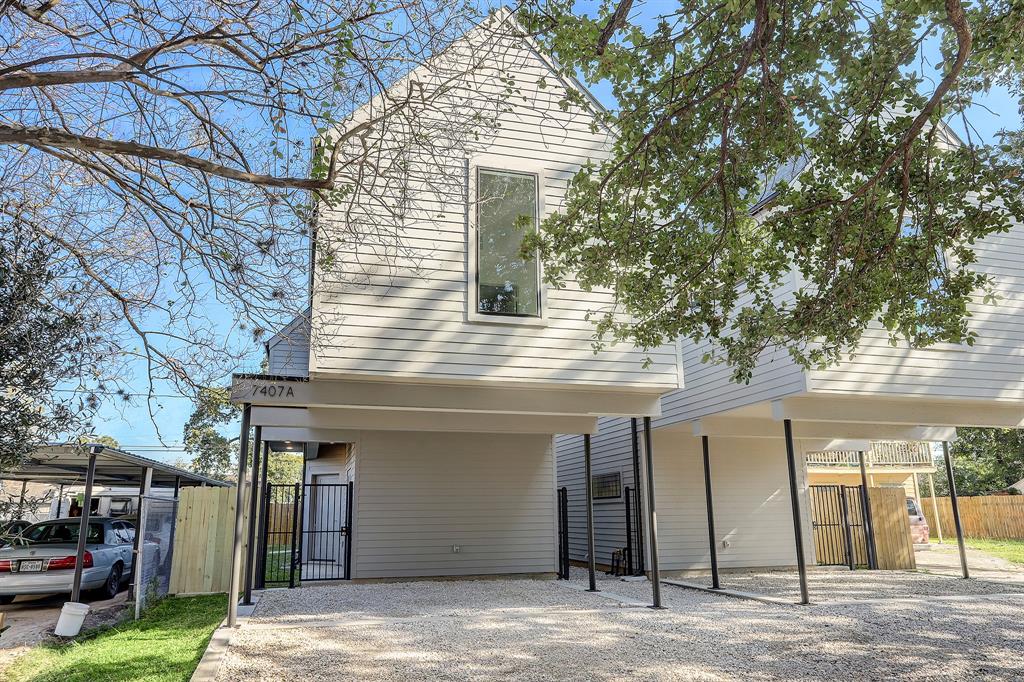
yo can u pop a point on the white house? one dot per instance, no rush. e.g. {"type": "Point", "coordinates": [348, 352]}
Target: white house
{"type": "Point", "coordinates": [435, 368]}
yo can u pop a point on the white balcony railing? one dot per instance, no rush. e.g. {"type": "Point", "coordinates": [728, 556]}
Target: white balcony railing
{"type": "Point", "coordinates": [881, 454]}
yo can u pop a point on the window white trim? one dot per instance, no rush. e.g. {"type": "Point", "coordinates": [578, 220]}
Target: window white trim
{"type": "Point", "coordinates": [499, 163]}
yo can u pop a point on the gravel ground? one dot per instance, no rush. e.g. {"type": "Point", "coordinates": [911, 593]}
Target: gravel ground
{"type": "Point", "coordinates": [828, 584]}
{"type": "Point", "coordinates": [546, 630]}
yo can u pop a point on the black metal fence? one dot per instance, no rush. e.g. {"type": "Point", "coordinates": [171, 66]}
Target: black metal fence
{"type": "Point", "coordinates": [634, 551]}
{"type": "Point", "coordinates": [563, 533]}
{"type": "Point", "coordinates": [306, 533]}
{"type": "Point", "coordinates": [838, 520]}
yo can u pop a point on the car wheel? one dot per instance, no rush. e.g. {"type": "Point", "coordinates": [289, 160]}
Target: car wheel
{"type": "Point", "coordinates": [6, 599]}
{"type": "Point", "coordinates": [113, 584]}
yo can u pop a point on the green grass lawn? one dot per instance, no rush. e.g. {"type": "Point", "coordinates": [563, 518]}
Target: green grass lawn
{"type": "Point", "coordinates": [1011, 550]}
{"type": "Point", "coordinates": [166, 644]}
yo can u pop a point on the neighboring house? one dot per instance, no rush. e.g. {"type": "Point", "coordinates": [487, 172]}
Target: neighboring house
{"type": "Point", "coordinates": [888, 464]}
{"type": "Point", "coordinates": [437, 372]}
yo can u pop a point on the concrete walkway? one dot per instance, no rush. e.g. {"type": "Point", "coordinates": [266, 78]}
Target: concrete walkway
{"type": "Point", "coordinates": [944, 559]}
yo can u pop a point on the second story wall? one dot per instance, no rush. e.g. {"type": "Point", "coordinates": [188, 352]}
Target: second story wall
{"type": "Point", "coordinates": [404, 303]}
{"type": "Point", "coordinates": [991, 369]}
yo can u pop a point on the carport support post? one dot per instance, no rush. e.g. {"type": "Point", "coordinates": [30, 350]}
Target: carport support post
{"type": "Point", "coordinates": [140, 529]}
{"type": "Point", "coordinates": [83, 524]}
{"type": "Point", "coordinates": [865, 500]}
{"type": "Point", "coordinates": [652, 517]}
{"type": "Point", "coordinates": [712, 542]}
{"type": "Point", "coordinates": [60, 498]}
{"type": "Point", "coordinates": [798, 530]}
{"type": "Point", "coordinates": [588, 488]}
{"type": "Point", "coordinates": [250, 548]}
{"type": "Point", "coordinates": [956, 508]}
{"type": "Point", "coordinates": [935, 506]}
{"type": "Point", "coordinates": [144, 484]}
{"type": "Point", "coordinates": [236, 547]}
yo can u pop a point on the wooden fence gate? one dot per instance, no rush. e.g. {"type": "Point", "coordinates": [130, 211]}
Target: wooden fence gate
{"type": "Point", "coordinates": [846, 533]}
{"type": "Point", "coordinates": [837, 517]}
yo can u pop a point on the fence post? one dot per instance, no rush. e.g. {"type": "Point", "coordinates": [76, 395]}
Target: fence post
{"type": "Point", "coordinates": [348, 530]}
{"type": "Point", "coordinates": [629, 531]}
{"type": "Point", "coordinates": [846, 527]}
{"type": "Point", "coordinates": [295, 532]}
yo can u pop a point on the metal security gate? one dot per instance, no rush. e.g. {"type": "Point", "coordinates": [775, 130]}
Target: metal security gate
{"type": "Point", "coordinates": [563, 533]}
{"type": "Point", "coordinates": [634, 537]}
{"type": "Point", "coordinates": [306, 532]}
{"type": "Point", "coordinates": [838, 520]}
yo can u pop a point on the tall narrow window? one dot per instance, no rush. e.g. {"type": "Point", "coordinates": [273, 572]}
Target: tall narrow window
{"type": "Point", "coordinates": [506, 213]}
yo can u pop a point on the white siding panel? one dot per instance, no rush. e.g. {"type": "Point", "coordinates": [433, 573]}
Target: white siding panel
{"type": "Point", "coordinates": [398, 305]}
{"type": "Point", "coordinates": [610, 451]}
{"type": "Point", "coordinates": [708, 388]}
{"type": "Point", "coordinates": [421, 493]}
{"type": "Point", "coordinates": [288, 350]}
{"type": "Point", "coordinates": [751, 492]}
{"type": "Point", "coordinates": [992, 369]}
{"type": "Point", "coordinates": [750, 486]}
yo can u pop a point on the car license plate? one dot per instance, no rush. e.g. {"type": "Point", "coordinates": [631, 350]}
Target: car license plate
{"type": "Point", "coordinates": [26, 566]}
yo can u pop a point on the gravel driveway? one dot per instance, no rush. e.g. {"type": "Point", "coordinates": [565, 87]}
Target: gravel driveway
{"type": "Point", "coordinates": [546, 630]}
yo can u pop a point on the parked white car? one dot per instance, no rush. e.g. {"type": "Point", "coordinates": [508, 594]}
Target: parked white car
{"type": "Point", "coordinates": [42, 559]}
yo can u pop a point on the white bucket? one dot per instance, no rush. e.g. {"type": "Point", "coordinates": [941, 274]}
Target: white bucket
{"type": "Point", "coordinates": [71, 618]}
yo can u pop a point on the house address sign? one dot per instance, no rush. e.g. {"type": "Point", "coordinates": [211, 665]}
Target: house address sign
{"type": "Point", "coordinates": [273, 391]}
{"type": "Point", "coordinates": [249, 391]}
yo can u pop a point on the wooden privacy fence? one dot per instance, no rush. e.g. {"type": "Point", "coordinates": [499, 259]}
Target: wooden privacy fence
{"type": "Point", "coordinates": [201, 562]}
{"type": "Point", "coordinates": [890, 521]}
{"type": "Point", "coordinates": [994, 517]}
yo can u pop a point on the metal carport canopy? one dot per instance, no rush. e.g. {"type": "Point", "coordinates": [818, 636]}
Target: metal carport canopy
{"type": "Point", "coordinates": [67, 464]}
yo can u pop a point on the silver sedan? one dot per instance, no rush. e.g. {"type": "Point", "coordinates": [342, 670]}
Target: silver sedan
{"type": "Point", "coordinates": [42, 559]}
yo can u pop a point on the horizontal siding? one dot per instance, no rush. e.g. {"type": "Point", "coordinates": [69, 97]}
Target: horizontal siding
{"type": "Point", "coordinates": [610, 451]}
{"type": "Point", "coordinates": [421, 493]}
{"type": "Point", "coordinates": [288, 350]}
{"type": "Point", "coordinates": [992, 369]}
{"type": "Point", "coordinates": [708, 388]}
{"type": "Point", "coordinates": [751, 492]}
{"type": "Point", "coordinates": [750, 485]}
{"type": "Point", "coordinates": [397, 302]}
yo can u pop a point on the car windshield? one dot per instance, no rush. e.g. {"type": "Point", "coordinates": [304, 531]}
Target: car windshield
{"type": "Point", "coordinates": [912, 507]}
{"type": "Point", "coordinates": [47, 533]}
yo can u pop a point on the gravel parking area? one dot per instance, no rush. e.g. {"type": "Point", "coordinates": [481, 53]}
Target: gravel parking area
{"type": "Point", "coordinates": [839, 584]}
{"type": "Point", "coordinates": [546, 630]}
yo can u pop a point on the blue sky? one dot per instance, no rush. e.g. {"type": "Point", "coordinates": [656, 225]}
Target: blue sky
{"type": "Point", "coordinates": [130, 422]}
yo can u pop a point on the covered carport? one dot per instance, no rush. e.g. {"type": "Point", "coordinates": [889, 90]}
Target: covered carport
{"type": "Point", "coordinates": [834, 424]}
{"type": "Point", "coordinates": [93, 464]}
